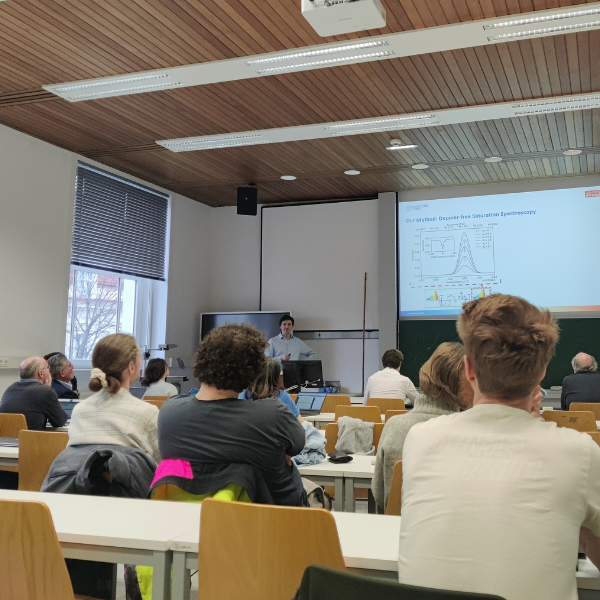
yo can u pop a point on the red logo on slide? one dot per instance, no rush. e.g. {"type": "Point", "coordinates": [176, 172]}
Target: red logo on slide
{"type": "Point", "coordinates": [592, 193]}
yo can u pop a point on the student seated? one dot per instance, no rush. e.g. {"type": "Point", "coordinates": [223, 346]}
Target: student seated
{"type": "Point", "coordinates": [445, 391]}
{"type": "Point", "coordinates": [154, 379]}
{"type": "Point", "coordinates": [215, 439]}
{"type": "Point", "coordinates": [493, 499]}
{"type": "Point", "coordinates": [112, 416]}
{"type": "Point", "coordinates": [62, 373]}
{"type": "Point", "coordinates": [267, 386]}
{"type": "Point", "coordinates": [33, 396]}
{"type": "Point", "coordinates": [388, 383]}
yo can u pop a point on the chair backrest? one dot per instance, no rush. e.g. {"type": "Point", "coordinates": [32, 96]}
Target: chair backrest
{"type": "Point", "coordinates": [294, 397]}
{"type": "Point", "coordinates": [31, 561]}
{"type": "Point", "coordinates": [386, 404]}
{"type": "Point", "coordinates": [319, 583]}
{"type": "Point", "coordinates": [580, 421]}
{"type": "Point", "coordinates": [10, 425]}
{"type": "Point", "coordinates": [394, 500]}
{"type": "Point", "coordinates": [37, 451]}
{"type": "Point", "coordinates": [259, 552]}
{"type": "Point", "coordinates": [333, 400]}
{"type": "Point", "coordinates": [155, 398]}
{"type": "Point", "coordinates": [595, 436]}
{"type": "Point", "coordinates": [586, 407]}
{"type": "Point", "coordinates": [331, 435]}
{"type": "Point", "coordinates": [392, 413]}
{"type": "Point", "coordinates": [157, 403]}
{"type": "Point", "coordinates": [370, 414]}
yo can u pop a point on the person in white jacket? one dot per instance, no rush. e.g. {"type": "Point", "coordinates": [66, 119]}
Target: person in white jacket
{"type": "Point", "coordinates": [388, 383]}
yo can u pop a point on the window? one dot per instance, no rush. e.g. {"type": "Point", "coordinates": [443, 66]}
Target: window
{"type": "Point", "coordinates": [118, 260]}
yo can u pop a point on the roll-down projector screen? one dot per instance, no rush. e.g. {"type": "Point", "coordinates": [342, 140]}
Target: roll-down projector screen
{"type": "Point", "coordinates": [543, 246]}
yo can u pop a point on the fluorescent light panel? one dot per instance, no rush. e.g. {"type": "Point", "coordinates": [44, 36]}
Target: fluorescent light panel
{"type": "Point", "coordinates": [544, 18]}
{"type": "Point", "coordinates": [405, 147]}
{"type": "Point", "coordinates": [559, 105]}
{"type": "Point", "coordinates": [546, 31]}
{"type": "Point", "coordinates": [319, 52]}
{"type": "Point", "coordinates": [325, 63]}
{"type": "Point", "coordinates": [180, 147]}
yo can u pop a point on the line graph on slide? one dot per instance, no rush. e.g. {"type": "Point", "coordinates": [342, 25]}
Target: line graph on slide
{"type": "Point", "coordinates": [457, 253]}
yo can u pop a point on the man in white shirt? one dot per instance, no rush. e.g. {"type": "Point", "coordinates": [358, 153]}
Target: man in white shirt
{"type": "Point", "coordinates": [493, 499]}
{"type": "Point", "coordinates": [388, 383]}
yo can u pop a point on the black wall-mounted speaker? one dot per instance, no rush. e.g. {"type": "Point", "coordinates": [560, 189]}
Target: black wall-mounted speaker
{"type": "Point", "coordinates": [246, 201]}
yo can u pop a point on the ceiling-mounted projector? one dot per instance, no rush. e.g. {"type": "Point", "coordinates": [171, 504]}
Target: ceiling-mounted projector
{"type": "Point", "coordinates": [335, 17]}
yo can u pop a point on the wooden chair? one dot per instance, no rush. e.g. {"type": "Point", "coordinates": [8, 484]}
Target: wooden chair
{"type": "Point", "coordinates": [155, 398]}
{"type": "Point", "coordinates": [370, 414]}
{"type": "Point", "coordinates": [10, 425]}
{"type": "Point", "coordinates": [392, 413]}
{"type": "Point", "coordinates": [37, 451]}
{"type": "Point", "coordinates": [586, 407]}
{"type": "Point", "coordinates": [157, 403]}
{"type": "Point", "coordinates": [394, 501]}
{"type": "Point", "coordinates": [332, 400]}
{"type": "Point", "coordinates": [580, 421]}
{"type": "Point", "coordinates": [259, 552]}
{"type": "Point", "coordinates": [386, 404]}
{"type": "Point", "coordinates": [294, 397]}
{"type": "Point", "coordinates": [331, 435]}
{"type": "Point", "coordinates": [31, 560]}
{"type": "Point", "coordinates": [595, 436]}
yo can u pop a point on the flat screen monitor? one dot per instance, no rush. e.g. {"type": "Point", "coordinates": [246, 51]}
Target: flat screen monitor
{"type": "Point", "coordinates": [302, 373]}
{"type": "Point", "coordinates": [267, 322]}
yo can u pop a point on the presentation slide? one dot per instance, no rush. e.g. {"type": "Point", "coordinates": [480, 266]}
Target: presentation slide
{"type": "Point", "coordinates": [542, 246]}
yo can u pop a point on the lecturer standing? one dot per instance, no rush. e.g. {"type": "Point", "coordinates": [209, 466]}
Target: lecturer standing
{"type": "Point", "coordinates": [287, 347]}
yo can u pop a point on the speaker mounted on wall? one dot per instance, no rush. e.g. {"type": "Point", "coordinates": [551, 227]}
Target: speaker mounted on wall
{"type": "Point", "coordinates": [247, 201]}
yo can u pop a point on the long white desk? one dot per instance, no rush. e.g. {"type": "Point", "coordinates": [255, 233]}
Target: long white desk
{"type": "Point", "coordinates": [344, 477]}
{"type": "Point", "coordinates": [369, 543]}
{"type": "Point", "coordinates": [117, 530]}
{"type": "Point", "coordinates": [9, 457]}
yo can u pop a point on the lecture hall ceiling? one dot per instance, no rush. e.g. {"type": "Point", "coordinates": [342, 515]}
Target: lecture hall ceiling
{"type": "Point", "coordinates": [44, 42]}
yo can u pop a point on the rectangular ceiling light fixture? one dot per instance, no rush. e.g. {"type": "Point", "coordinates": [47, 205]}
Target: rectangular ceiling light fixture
{"type": "Point", "coordinates": [545, 31]}
{"type": "Point", "coordinates": [212, 142]}
{"type": "Point", "coordinates": [560, 105]}
{"type": "Point", "coordinates": [544, 18]}
{"type": "Point", "coordinates": [372, 122]}
{"type": "Point", "coordinates": [115, 86]}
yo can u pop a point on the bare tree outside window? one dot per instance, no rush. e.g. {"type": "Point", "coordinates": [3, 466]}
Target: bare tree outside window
{"type": "Point", "coordinates": [96, 310]}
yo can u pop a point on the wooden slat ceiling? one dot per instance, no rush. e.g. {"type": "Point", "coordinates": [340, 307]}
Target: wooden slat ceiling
{"type": "Point", "coordinates": [43, 42]}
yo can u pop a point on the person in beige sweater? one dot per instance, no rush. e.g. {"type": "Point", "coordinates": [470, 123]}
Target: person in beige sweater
{"type": "Point", "coordinates": [445, 391]}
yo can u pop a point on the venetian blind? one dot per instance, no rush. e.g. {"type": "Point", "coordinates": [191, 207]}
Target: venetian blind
{"type": "Point", "coordinates": [118, 226]}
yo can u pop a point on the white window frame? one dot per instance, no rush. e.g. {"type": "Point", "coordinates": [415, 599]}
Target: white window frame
{"type": "Point", "coordinates": [148, 293]}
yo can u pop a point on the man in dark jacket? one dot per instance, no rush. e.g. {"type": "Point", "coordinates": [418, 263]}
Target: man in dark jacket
{"type": "Point", "coordinates": [584, 384]}
{"type": "Point", "coordinates": [61, 371]}
{"type": "Point", "coordinates": [33, 397]}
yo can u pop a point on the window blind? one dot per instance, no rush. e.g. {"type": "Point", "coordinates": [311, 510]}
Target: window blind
{"type": "Point", "coordinates": [118, 225]}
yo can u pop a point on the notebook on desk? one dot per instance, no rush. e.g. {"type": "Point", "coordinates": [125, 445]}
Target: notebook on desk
{"type": "Point", "coordinates": [310, 404]}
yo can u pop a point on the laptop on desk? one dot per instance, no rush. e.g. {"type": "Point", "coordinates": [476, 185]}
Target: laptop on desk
{"type": "Point", "coordinates": [310, 404]}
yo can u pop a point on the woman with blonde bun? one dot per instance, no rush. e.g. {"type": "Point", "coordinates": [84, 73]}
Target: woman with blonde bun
{"type": "Point", "coordinates": [112, 415]}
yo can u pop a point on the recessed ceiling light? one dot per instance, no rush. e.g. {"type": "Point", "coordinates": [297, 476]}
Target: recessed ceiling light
{"type": "Point", "coordinates": [352, 172]}
{"type": "Point", "coordinates": [571, 152]}
{"type": "Point", "coordinates": [420, 166]}
{"type": "Point", "coordinates": [493, 159]}
{"type": "Point", "coordinates": [288, 177]}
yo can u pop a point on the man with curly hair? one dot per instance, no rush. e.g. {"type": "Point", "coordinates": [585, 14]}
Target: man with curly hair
{"type": "Point", "coordinates": [219, 435]}
{"type": "Point", "coordinates": [494, 501]}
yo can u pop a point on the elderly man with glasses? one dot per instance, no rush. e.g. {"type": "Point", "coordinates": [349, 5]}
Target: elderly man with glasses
{"type": "Point", "coordinates": [62, 373]}
{"type": "Point", "coordinates": [33, 396]}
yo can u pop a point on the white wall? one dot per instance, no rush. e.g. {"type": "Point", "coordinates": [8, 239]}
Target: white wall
{"type": "Point", "coordinates": [36, 220]}
{"type": "Point", "coordinates": [234, 261]}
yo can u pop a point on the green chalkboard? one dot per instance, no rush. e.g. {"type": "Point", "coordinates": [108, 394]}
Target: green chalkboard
{"type": "Point", "coordinates": [418, 339]}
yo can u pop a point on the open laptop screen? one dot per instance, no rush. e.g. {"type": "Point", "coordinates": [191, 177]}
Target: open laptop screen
{"type": "Point", "coordinates": [310, 402]}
